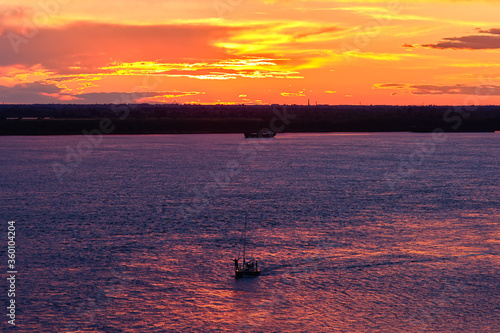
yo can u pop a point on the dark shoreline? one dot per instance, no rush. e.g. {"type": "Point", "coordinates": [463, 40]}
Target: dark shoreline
{"type": "Point", "coordinates": [56, 119]}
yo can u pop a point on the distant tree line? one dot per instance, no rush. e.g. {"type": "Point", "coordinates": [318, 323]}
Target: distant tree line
{"type": "Point", "coordinates": [145, 118]}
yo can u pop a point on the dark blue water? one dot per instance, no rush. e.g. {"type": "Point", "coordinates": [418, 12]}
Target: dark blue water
{"type": "Point", "coordinates": [354, 233]}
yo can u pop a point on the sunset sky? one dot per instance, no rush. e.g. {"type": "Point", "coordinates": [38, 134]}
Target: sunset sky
{"type": "Point", "coordinates": [251, 52]}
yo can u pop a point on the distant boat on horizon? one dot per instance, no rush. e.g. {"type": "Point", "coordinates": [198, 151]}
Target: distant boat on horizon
{"type": "Point", "coordinates": [266, 135]}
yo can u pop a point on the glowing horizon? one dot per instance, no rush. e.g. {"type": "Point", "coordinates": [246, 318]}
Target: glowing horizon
{"type": "Point", "coordinates": [242, 52]}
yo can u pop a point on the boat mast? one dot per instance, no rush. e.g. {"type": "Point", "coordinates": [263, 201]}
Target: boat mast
{"type": "Point", "coordinates": [245, 238]}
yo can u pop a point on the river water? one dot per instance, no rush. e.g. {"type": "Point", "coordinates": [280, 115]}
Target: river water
{"type": "Point", "coordinates": [386, 232]}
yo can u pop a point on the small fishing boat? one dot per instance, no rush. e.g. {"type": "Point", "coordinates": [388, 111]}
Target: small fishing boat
{"type": "Point", "coordinates": [246, 268]}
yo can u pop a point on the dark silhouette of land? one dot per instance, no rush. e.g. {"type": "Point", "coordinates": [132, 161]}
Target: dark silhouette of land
{"type": "Point", "coordinates": [58, 119]}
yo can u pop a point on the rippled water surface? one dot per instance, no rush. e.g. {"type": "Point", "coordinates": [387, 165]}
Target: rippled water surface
{"type": "Point", "coordinates": [353, 232]}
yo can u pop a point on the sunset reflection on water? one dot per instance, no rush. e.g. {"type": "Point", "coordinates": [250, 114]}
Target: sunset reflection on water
{"type": "Point", "coordinates": [338, 250]}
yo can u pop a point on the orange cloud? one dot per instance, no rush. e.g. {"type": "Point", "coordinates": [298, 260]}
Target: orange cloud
{"type": "Point", "coordinates": [88, 45]}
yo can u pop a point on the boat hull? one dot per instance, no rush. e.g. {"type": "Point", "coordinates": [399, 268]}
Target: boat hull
{"type": "Point", "coordinates": [263, 135]}
{"type": "Point", "coordinates": [246, 274]}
